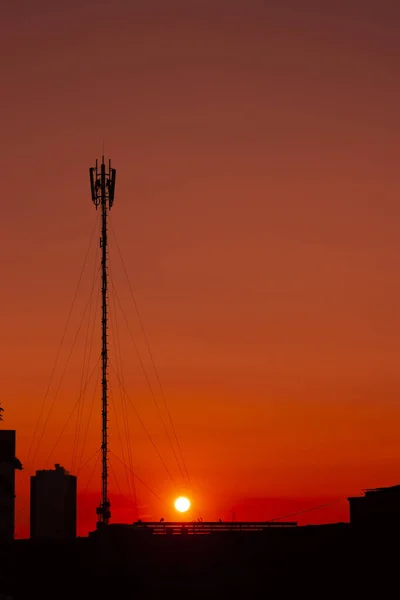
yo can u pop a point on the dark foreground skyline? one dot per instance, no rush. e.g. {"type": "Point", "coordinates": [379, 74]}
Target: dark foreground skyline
{"type": "Point", "coordinates": [331, 561]}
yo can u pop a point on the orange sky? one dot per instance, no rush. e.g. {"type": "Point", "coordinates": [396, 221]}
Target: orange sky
{"type": "Point", "coordinates": [257, 150]}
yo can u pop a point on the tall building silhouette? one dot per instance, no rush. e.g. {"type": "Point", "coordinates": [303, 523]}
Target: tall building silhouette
{"type": "Point", "coordinates": [378, 507]}
{"type": "Point", "coordinates": [7, 484]}
{"type": "Point", "coordinates": [53, 504]}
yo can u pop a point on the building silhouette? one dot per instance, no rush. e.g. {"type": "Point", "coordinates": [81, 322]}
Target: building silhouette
{"type": "Point", "coordinates": [8, 464]}
{"type": "Point", "coordinates": [53, 504]}
{"type": "Point", "coordinates": [378, 507]}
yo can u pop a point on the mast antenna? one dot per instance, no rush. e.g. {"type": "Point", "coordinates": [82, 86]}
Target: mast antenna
{"type": "Point", "coordinates": [102, 185]}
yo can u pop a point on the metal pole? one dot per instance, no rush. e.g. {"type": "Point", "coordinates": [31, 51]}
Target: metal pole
{"type": "Point", "coordinates": [104, 352]}
{"type": "Point", "coordinates": [102, 188]}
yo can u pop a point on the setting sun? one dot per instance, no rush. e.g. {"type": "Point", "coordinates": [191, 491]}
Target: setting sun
{"type": "Point", "coordinates": [182, 504]}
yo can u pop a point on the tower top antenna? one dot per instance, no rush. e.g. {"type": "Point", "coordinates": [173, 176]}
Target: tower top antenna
{"type": "Point", "coordinates": [102, 186]}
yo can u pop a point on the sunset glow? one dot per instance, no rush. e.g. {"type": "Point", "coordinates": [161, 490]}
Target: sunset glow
{"type": "Point", "coordinates": [257, 150]}
{"type": "Point", "coordinates": [182, 504]}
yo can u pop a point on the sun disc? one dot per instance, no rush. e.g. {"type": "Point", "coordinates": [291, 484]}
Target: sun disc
{"type": "Point", "coordinates": [182, 504]}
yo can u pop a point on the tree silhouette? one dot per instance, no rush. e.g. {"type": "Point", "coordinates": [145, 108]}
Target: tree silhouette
{"type": "Point", "coordinates": [18, 464]}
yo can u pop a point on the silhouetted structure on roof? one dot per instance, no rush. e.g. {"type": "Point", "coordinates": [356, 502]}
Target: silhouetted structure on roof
{"type": "Point", "coordinates": [378, 507]}
{"type": "Point", "coordinates": [53, 504]}
{"type": "Point", "coordinates": [8, 464]}
{"type": "Point", "coordinates": [197, 528]}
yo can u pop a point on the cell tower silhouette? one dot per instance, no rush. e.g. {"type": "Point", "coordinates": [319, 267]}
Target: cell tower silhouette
{"type": "Point", "coordinates": [102, 185]}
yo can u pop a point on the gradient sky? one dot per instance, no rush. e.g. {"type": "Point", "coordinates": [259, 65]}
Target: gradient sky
{"type": "Point", "coordinates": [257, 211]}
